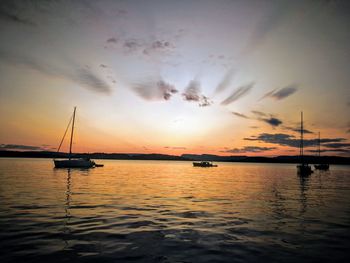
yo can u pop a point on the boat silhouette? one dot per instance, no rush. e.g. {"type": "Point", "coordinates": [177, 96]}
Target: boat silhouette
{"type": "Point", "coordinates": [320, 166]}
{"type": "Point", "coordinates": [73, 162]}
{"type": "Point", "coordinates": [303, 168]}
{"type": "Point", "coordinates": [204, 164]}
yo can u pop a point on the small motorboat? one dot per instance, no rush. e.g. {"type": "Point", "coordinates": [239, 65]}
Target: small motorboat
{"type": "Point", "coordinates": [204, 164]}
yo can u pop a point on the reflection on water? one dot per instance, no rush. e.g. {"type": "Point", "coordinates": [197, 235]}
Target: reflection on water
{"type": "Point", "coordinates": [157, 211]}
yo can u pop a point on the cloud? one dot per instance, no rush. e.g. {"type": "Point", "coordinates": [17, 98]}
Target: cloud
{"type": "Point", "coordinates": [10, 12]}
{"type": "Point", "coordinates": [158, 46]}
{"type": "Point", "coordinates": [145, 47]}
{"type": "Point", "coordinates": [259, 113]}
{"type": "Point", "coordinates": [267, 118]}
{"type": "Point", "coordinates": [225, 82]}
{"type": "Point", "coordinates": [240, 92]}
{"type": "Point", "coordinates": [20, 147]}
{"type": "Point", "coordinates": [297, 129]}
{"type": "Point", "coordinates": [240, 115]}
{"type": "Point", "coordinates": [112, 40]}
{"type": "Point", "coordinates": [79, 75]}
{"type": "Point", "coordinates": [249, 149]}
{"type": "Point", "coordinates": [336, 145]}
{"type": "Point", "coordinates": [175, 147]}
{"type": "Point", "coordinates": [272, 121]}
{"type": "Point", "coordinates": [290, 140]}
{"type": "Point", "coordinates": [193, 93]}
{"type": "Point", "coordinates": [155, 90]}
{"type": "Point", "coordinates": [331, 150]}
{"type": "Point", "coordinates": [90, 80]}
{"type": "Point", "coordinates": [279, 94]}
{"type": "Point", "coordinates": [271, 20]}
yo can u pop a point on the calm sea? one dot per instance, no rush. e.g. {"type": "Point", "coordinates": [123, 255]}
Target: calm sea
{"type": "Point", "coordinates": [167, 211]}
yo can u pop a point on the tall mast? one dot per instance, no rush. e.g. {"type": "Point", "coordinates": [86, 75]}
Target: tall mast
{"type": "Point", "coordinates": [71, 135]}
{"type": "Point", "coordinates": [319, 144]}
{"type": "Point", "coordinates": [301, 139]}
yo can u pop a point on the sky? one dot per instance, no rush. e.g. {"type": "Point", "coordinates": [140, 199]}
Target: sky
{"type": "Point", "coordinates": [173, 77]}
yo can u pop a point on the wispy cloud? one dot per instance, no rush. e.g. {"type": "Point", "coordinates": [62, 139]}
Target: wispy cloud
{"type": "Point", "coordinates": [80, 75]}
{"type": "Point", "coordinates": [225, 82]}
{"type": "Point", "coordinates": [272, 19]}
{"type": "Point", "coordinates": [21, 147]}
{"type": "Point", "coordinates": [249, 149]}
{"type": "Point", "coordinates": [193, 93]}
{"type": "Point", "coordinates": [238, 93]}
{"type": "Point", "coordinates": [175, 147]}
{"type": "Point", "coordinates": [279, 94]}
{"type": "Point", "coordinates": [154, 90]}
{"type": "Point", "coordinates": [241, 115]}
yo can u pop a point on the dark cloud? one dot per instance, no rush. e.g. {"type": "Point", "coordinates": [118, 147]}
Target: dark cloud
{"type": "Point", "coordinates": [240, 92]}
{"type": "Point", "coordinates": [193, 93]}
{"type": "Point", "coordinates": [297, 129]}
{"type": "Point", "coordinates": [82, 76]}
{"type": "Point", "coordinates": [290, 140]}
{"type": "Point", "coordinates": [272, 121]}
{"type": "Point", "coordinates": [249, 149]}
{"type": "Point", "coordinates": [20, 147]}
{"type": "Point", "coordinates": [267, 118]}
{"type": "Point", "coordinates": [155, 90]}
{"type": "Point", "coordinates": [331, 150]}
{"type": "Point", "coordinates": [103, 66]}
{"type": "Point", "coordinates": [225, 82]}
{"type": "Point", "coordinates": [282, 93]}
{"type": "Point", "coordinates": [240, 115]}
{"type": "Point", "coordinates": [336, 145]}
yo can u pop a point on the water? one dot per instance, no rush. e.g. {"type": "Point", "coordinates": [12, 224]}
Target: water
{"type": "Point", "coordinates": [164, 211]}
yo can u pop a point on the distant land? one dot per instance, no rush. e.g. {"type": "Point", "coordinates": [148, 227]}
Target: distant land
{"type": "Point", "coordinates": [183, 157]}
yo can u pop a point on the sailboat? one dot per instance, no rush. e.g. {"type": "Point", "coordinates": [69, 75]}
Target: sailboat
{"type": "Point", "coordinates": [303, 168]}
{"type": "Point", "coordinates": [320, 166]}
{"type": "Point", "coordinates": [72, 162]}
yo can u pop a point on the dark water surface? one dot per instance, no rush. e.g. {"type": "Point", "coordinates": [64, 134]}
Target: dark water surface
{"type": "Point", "coordinates": [160, 211]}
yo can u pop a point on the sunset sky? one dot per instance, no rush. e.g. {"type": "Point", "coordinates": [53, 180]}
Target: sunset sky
{"type": "Point", "coordinates": [174, 77]}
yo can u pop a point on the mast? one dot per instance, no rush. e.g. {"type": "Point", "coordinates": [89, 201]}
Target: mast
{"type": "Point", "coordinates": [319, 144]}
{"type": "Point", "coordinates": [301, 139]}
{"type": "Point", "coordinates": [71, 135]}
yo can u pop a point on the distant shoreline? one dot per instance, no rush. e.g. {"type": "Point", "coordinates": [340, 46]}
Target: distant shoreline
{"type": "Point", "coordinates": [183, 157]}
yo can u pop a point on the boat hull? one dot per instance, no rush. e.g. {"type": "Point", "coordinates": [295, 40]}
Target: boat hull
{"type": "Point", "coordinates": [204, 164]}
{"type": "Point", "coordinates": [304, 170]}
{"type": "Point", "coordinates": [74, 163]}
{"type": "Point", "coordinates": [323, 167]}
